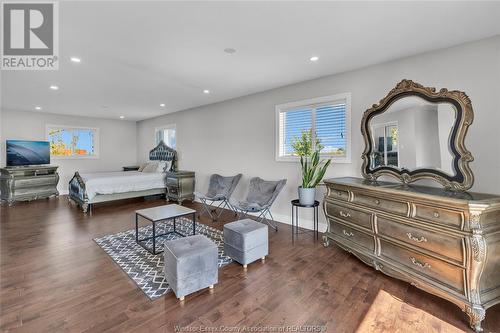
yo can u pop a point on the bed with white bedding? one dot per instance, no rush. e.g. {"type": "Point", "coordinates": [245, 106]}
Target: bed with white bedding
{"type": "Point", "coordinates": [86, 189]}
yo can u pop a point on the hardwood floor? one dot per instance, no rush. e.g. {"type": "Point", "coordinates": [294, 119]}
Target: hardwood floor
{"type": "Point", "coordinates": [54, 278]}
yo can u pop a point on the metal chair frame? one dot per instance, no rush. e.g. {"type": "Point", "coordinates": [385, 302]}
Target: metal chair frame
{"type": "Point", "coordinates": [207, 203]}
{"type": "Point", "coordinates": [265, 209]}
{"type": "Point", "coordinates": [207, 207]}
{"type": "Point", "coordinates": [261, 217]}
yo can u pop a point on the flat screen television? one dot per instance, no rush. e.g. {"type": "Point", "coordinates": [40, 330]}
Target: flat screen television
{"type": "Point", "coordinates": [22, 153]}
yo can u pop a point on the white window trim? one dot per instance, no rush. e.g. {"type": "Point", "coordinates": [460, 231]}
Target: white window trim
{"type": "Point", "coordinates": [168, 126]}
{"type": "Point", "coordinates": [389, 123]}
{"type": "Point", "coordinates": [314, 102]}
{"type": "Point", "coordinates": [97, 142]}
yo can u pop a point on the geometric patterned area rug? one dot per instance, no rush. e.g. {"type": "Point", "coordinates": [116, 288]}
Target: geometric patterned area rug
{"type": "Point", "coordinates": [146, 269]}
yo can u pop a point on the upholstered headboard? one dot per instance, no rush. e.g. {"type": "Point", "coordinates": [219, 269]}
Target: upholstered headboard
{"type": "Point", "coordinates": [162, 152]}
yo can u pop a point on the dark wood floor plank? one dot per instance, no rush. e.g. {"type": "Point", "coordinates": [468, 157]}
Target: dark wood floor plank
{"type": "Point", "coordinates": [55, 278]}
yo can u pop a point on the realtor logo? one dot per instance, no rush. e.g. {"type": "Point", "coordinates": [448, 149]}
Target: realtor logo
{"type": "Point", "coordinates": [30, 36]}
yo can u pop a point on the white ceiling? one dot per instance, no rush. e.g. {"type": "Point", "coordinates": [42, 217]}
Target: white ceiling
{"type": "Point", "coordinates": [136, 55]}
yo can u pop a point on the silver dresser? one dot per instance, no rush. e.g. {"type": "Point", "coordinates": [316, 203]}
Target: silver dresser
{"type": "Point", "coordinates": [446, 243]}
{"type": "Point", "coordinates": [180, 185]}
{"type": "Point", "coordinates": [28, 183]}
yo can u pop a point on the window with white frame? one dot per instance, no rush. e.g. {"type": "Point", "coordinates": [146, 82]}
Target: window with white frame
{"type": "Point", "coordinates": [386, 147]}
{"type": "Point", "coordinates": [167, 134]}
{"type": "Point", "coordinates": [73, 142]}
{"type": "Point", "coordinates": [328, 119]}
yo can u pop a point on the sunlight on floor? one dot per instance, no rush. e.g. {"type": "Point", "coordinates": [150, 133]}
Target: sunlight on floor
{"type": "Point", "coordinates": [390, 314]}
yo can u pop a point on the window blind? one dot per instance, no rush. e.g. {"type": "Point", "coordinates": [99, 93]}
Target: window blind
{"type": "Point", "coordinates": [294, 122]}
{"type": "Point", "coordinates": [327, 121]}
{"type": "Point", "coordinates": [331, 128]}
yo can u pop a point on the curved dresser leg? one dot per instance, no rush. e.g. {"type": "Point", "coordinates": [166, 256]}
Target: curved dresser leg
{"type": "Point", "coordinates": [326, 241]}
{"type": "Point", "coordinates": [476, 316]}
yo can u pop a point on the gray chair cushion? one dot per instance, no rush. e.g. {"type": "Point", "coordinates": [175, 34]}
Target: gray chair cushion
{"type": "Point", "coordinates": [261, 191]}
{"type": "Point", "coordinates": [220, 187]}
{"type": "Point", "coordinates": [261, 195]}
{"type": "Point", "coordinates": [246, 206]}
{"type": "Point", "coordinates": [217, 197]}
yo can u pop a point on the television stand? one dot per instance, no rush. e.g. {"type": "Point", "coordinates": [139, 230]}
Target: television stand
{"type": "Point", "coordinates": [28, 183]}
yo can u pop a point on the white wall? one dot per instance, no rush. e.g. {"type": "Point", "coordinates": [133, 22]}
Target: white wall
{"type": "Point", "coordinates": [426, 139]}
{"type": "Point", "coordinates": [117, 140]}
{"type": "Point", "coordinates": [238, 135]}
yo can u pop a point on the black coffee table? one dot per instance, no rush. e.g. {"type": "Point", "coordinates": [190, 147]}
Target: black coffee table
{"type": "Point", "coordinates": [162, 214]}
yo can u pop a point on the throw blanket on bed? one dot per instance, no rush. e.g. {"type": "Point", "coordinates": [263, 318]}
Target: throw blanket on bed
{"type": "Point", "coordinates": [121, 182]}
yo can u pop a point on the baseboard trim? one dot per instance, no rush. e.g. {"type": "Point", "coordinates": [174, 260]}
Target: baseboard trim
{"type": "Point", "coordinates": [287, 219]}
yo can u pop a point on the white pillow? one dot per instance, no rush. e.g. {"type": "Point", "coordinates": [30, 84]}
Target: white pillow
{"type": "Point", "coordinates": [150, 167]}
{"type": "Point", "coordinates": [162, 165]}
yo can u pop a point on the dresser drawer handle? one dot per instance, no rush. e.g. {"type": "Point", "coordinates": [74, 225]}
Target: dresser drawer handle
{"type": "Point", "coordinates": [377, 202]}
{"type": "Point", "coordinates": [416, 239]}
{"type": "Point", "coordinates": [339, 193]}
{"type": "Point", "coordinates": [419, 264]}
{"type": "Point", "coordinates": [435, 214]}
{"type": "Point", "coordinates": [347, 233]}
{"type": "Point", "coordinates": [344, 214]}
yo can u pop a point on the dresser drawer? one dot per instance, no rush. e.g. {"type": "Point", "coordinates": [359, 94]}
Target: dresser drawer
{"type": "Point", "coordinates": [441, 244]}
{"type": "Point", "coordinates": [391, 206]}
{"type": "Point", "coordinates": [172, 182]}
{"type": "Point", "coordinates": [351, 215]}
{"type": "Point", "coordinates": [439, 271]}
{"type": "Point", "coordinates": [35, 181]}
{"type": "Point", "coordinates": [439, 215]}
{"type": "Point", "coordinates": [33, 193]}
{"type": "Point", "coordinates": [338, 192]}
{"type": "Point", "coordinates": [358, 237]}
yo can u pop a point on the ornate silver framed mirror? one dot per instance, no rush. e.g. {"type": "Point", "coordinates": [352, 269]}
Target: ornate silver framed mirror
{"type": "Point", "coordinates": [416, 132]}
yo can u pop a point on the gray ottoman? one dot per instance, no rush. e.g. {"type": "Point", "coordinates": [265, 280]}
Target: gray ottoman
{"type": "Point", "coordinates": [190, 264]}
{"type": "Point", "coordinates": [246, 241]}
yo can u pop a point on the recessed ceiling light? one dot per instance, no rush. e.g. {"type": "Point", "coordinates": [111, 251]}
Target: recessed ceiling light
{"type": "Point", "coordinates": [206, 91]}
{"type": "Point", "coordinates": [162, 105]}
{"type": "Point", "coordinates": [122, 117]}
{"type": "Point", "coordinates": [230, 50]}
{"type": "Point", "coordinates": [54, 87]}
{"type": "Point", "coordinates": [314, 58]}
{"type": "Point", "coordinates": [75, 59]}
{"type": "Point", "coordinates": [38, 107]}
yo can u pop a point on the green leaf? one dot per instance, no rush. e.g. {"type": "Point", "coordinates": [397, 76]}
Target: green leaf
{"type": "Point", "coordinates": [313, 170]}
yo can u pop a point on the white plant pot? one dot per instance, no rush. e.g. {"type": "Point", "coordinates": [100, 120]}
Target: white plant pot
{"type": "Point", "coordinates": [307, 196]}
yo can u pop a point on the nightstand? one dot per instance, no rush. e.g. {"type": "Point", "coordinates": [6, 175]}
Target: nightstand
{"type": "Point", "coordinates": [131, 168]}
{"type": "Point", "coordinates": [180, 185]}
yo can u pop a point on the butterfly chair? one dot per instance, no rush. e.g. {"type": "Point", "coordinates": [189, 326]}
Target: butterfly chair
{"type": "Point", "coordinates": [260, 198]}
{"type": "Point", "coordinates": [220, 189]}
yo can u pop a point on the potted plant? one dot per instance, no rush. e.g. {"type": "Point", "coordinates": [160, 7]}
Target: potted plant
{"type": "Point", "coordinates": [313, 169]}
